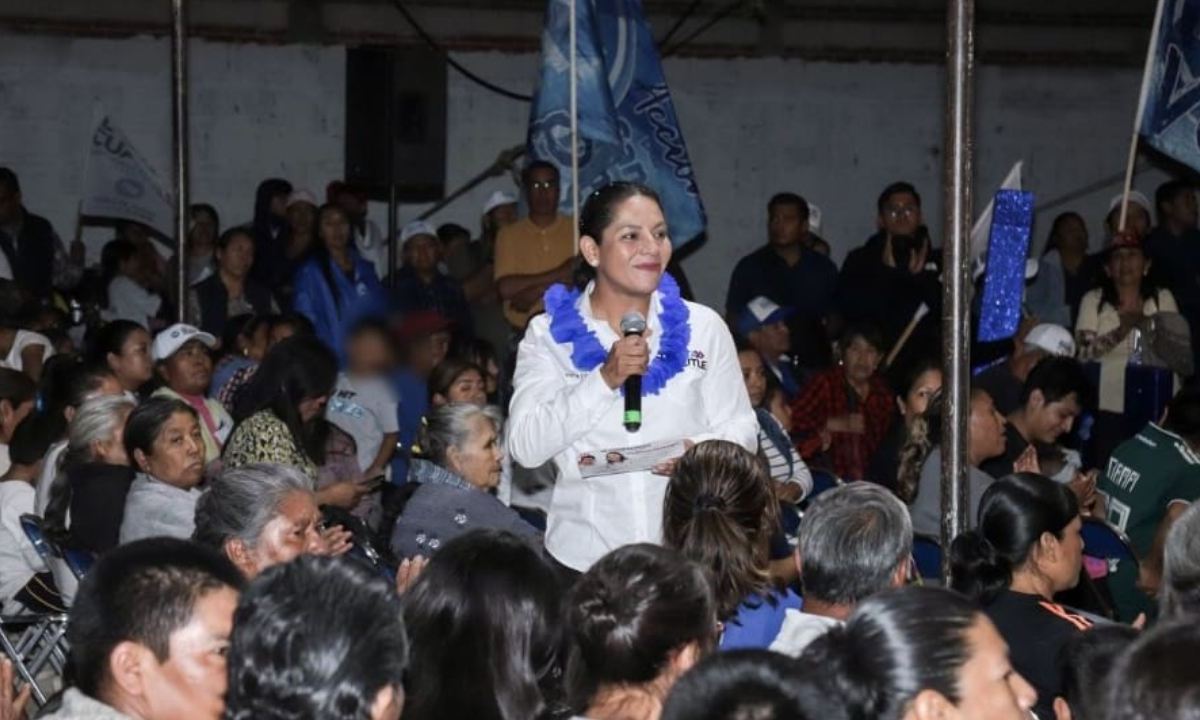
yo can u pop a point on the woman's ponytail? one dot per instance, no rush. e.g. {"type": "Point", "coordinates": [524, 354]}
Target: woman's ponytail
{"type": "Point", "coordinates": [977, 569]}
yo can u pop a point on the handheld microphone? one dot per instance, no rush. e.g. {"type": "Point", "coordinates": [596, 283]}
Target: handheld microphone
{"type": "Point", "coordinates": [632, 323]}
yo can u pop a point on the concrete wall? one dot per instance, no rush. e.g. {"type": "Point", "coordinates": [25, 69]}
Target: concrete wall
{"type": "Point", "coordinates": [836, 133]}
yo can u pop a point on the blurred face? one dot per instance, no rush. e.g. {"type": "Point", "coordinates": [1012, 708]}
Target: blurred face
{"type": "Point", "coordinates": [989, 686]}
{"type": "Point", "coordinates": [189, 369]}
{"type": "Point", "coordinates": [901, 214]}
{"type": "Point", "coordinates": [478, 460]}
{"type": "Point", "coordinates": [754, 374]}
{"type": "Point", "coordinates": [238, 256]}
{"type": "Point", "coordinates": [422, 253]}
{"type": "Point", "coordinates": [1127, 266]}
{"type": "Point", "coordinates": [112, 450]}
{"type": "Point", "coordinates": [334, 230]}
{"type": "Point", "coordinates": [279, 205]}
{"type": "Point", "coordinates": [916, 399]}
{"type": "Point", "coordinates": [177, 456]}
{"type": "Point", "coordinates": [133, 366]}
{"type": "Point", "coordinates": [786, 226]}
{"type": "Point", "coordinates": [634, 249]}
{"type": "Point", "coordinates": [1072, 236]}
{"type": "Point", "coordinates": [191, 682]}
{"type": "Point", "coordinates": [468, 387]}
{"type": "Point", "coordinates": [10, 205]}
{"type": "Point", "coordinates": [772, 340]}
{"type": "Point", "coordinates": [861, 359]}
{"type": "Point", "coordinates": [1049, 421]}
{"type": "Point", "coordinates": [293, 532]}
{"type": "Point", "coordinates": [439, 347]}
{"type": "Point", "coordinates": [301, 216]}
{"type": "Point", "coordinates": [542, 192]}
{"type": "Point", "coordinates": [369, 353]}
{"type": "Point", "coordinates": [986, 428]}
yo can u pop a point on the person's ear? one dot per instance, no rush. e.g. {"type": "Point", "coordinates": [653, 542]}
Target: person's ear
{"type": "Point", "coordinates": [900, 574]}
{"type": "Point", "coordinates": [1036, 400]}
{"type": "Point", "coordinates": [127, 664]}
{"type": "Point", "coordinates": [388, 703]}
{"type": "Point", "coordinates": [900, 407]}
{"type": "Point", "coordinates": [1048, 547]}
{"type": "Point", "coordinates": [438, 400]}
{"type": "Point", "coordinates": [1062, 711]}
{"type": "Point", "coordinates": [799, 562]}
{"type": "Point", "coordinates": [684, 659]}
{"type": "Point", "coordinates": [453, 455]}
{"type": "Point", "coordinates": [930, 705]}
{"type": "Point", "coordinates": [590, 250]}
{"type": "Point", "coordinates": [140, 461]}
{"type": "Point", "coordinates": [241, 556]}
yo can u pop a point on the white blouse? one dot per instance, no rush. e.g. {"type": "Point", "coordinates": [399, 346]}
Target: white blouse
{"type": "Point", "coordinates": [559, 412]}
{"type": "Point", "coordinates": [1095, 321]}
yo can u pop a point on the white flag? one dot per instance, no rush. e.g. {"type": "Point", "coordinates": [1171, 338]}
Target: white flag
{"type": "Point", "coordinates": [121, 184]}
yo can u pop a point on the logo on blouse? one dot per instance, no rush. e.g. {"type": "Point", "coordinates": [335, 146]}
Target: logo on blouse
{"type": "Point", "coordinates": [697, 360]}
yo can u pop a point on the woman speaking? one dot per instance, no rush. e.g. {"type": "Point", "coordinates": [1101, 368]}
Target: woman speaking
{"type": "Point", "coordinates": [568, 401]}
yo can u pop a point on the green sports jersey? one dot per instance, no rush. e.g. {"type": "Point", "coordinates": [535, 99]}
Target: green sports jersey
{"type": "Point", "coordinates": [1144, 475]}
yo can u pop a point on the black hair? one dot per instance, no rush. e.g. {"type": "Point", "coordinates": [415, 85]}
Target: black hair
{"type": "Point", "coordinates": [227, 237]}
{"type": "Point", "coordinates": [903, 378]}
{"type": "Point", "coordinates": [1168, 192]}
{"type": "Point", "coordinates": [485, 620]}
{"type": "Point", "coordinates": [448, 231]}
{"type": "Point", "coordinates": [630, 612]}
{"type": "Point", "coordinates": [241, 326]}
{"type": "Point", "coordinates": [1056, 227]}
{"type": "Point", "coordinates": [788, 198]}
{"type": "Point", "coordinates": [868, 331]}
{"type": "Point", "coordinates": [444, 375]}
{"type": "Point", "coordinates": [897, 188]}
{"type": "Point", "coordinates": [300, 648]}
{"type": "Point", "coordinates": [110, 339]}
{"type": "Point", "coordinates": [114, 253]}
{"type": "Point", "coordinates": [528, 170]}
{"type": "Point", "coordinates": [321, 256]}
{"type": "Point", "coordinates": [146, 422]}
{"type": "Point", "coordinates": [300, 324]}
{"type": "Point", "coordinates": [141, 592]}
{"type": "Point", "coordinates": [66, 381]}
{"type": "Point", "coordinates": [1083, 664]}
{"type": "Point", "coordinates": [751, 685]}
{"type": "Point", "coordinates": [32, 438]}
{"type": "Point", "coordinates": [9, 179]}
{"type": "Point", "coordinates": [369, 325]}
{"type": "Point", "coordinates": [1057, 378]}
{"type": "Point", "coordinates": [264, 222]}
{"type": "Point", "coordinates": [1147, 289]}
{"type": "Point", "coordinates": [1183, 414]}
{"type": "Point", "coordinates": [1154, 679]}
{"type": "Point", "coordinates": [1014, 513]}
{"type": "Point", "coordinates": [295, 369]}
{"type": "Point", "coordinates": [895, 645]}
{"type": "Point", "coordinates": [16, 387]}
{"type": "Point", "coordinates": [198, 208]}
{"type": "Point", "coordinates": [600, 207]}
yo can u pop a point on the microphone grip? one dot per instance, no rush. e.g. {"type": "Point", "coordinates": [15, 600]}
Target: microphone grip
{"type": "Point", "coordinates": [633, 403]}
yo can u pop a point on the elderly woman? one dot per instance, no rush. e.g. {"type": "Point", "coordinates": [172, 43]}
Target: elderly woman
{"type": "Point", "coordinates": [462, 441]}
{"type": "Point", "coordinates": [165, 446]}
{"type": "Point", "coordinates": [262, 515]}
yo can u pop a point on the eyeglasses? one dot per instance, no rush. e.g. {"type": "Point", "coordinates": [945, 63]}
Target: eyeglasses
{"type": "Point", "coordinates": [543, 184]}
{"type": "Point", "coordinates": [895, 212]}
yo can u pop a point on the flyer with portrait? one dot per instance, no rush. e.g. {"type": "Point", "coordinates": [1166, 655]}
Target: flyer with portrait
{"type": "Point", "coordinates": [638, 458]}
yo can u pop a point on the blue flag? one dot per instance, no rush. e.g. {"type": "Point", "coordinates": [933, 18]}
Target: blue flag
{"type": "Point", "coordinates": [1170, 116]}
{"type": "Point", "coordinates": [627, 124]}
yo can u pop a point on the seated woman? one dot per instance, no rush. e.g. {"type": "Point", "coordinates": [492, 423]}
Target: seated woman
{"type": "Point", "coordinates": [456, 483]}
{"type": "Point", "coordinates": [792, 478]}
{"type": "Point", "coordinates": [457, 381]}
{"type": "Point", "coordinates": [1027, 548]}
{"type": "Point", "coordinates": [914, 388]}
{"type": "Point", "coordinates": [719, 511]}
{"type": "Point", "coordinates": [124, 347]}
{"type": "Point", "coordinates": [485, 622]}
{"type": "Point", "coordinates": [920, 472]}
{"type": "Point", "coordinates": [919, 653]}
{"type": "Point", "coordinates": [165, 446]}
{"type": "Point", "coordinates": [230, 291]}
{"type": "Point", "coordinates": [640, 618]}
{"type": "Point", "coordinates": [243, 346]}
{"type": "Point", "coordinates": [281, 416]}
{"type": "Point", "coordinates": [262, 515]}
{"type": "Point", "coordinates": [842, 414]}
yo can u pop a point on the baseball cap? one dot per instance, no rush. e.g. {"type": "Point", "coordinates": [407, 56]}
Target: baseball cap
{"type": "Point", "coordinates": [299, 196]}
{"type": "Point", "coordinates": [1050, 338]}
{"type": "Point", "coordinates": [497, 199]}
{"type": "Point", "coordinates": [1135, 197]}
{"type": "Point", "coordinates": [759, 312]}
{"type": "Point", "coordinates": [168, 342]}
{"type": "Point", "coordinates": [415, 228]}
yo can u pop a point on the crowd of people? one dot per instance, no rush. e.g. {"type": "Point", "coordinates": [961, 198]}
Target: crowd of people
{"type": "Point", "coordinates": [345, 490]}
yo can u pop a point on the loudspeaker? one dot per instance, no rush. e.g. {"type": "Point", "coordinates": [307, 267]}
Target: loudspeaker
{"type": "Point", "coordinates": [413, 79]}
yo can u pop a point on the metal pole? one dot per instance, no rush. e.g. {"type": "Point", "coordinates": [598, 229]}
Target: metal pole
{"type": "Point", "coordinates": [179, 105]}
{"type": "Point", "coordinates": [960, 52]}
{"type": "Point", "coordinates": [574, 86]}
{"type": "Point", "coordinates": [390, 144]}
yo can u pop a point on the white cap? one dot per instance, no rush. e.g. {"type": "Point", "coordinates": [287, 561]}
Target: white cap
{"type": "Point", "coordinates": [168, 342]}
{"type": "Point", "coordinates": [1053, 339]}
{"type": "Point", "coordinates": [304, 196]}
{"type": "Point", "coordinates": [415, 228]}
{"type": "Point", "coordinates": [1135, 197]}
{"type": "Point", "coordinates": [497, 199]}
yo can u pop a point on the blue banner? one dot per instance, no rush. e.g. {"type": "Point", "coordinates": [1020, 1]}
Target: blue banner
{"type": "Point", "coordinates": [627, 124]}
{"type": "Point", "coordinates": [1004, 278]}
{"type": "Point", "coordinates": [1170, 119]}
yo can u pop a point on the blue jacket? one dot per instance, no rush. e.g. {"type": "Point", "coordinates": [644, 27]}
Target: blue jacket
{"type": "Point", "coordinates": [361, 298]}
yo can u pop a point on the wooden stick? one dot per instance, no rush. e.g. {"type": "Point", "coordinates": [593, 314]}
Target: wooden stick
{"type": "Point", "coordinates": [1137, 116]}
{"type": "Point", "coordinates": [904, 336]}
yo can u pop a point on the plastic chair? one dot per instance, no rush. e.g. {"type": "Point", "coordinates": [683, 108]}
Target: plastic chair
{"type": "Point", "coordinates": [78, 561]}
{"type": "Point", "coordinates": [1103, 540]}
{"type": "Point", "coordinates": [927, 554]}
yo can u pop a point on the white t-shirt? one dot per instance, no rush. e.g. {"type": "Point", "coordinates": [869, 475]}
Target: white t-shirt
{"type": "Point", "coordinates": [365, 409]}
{"type": "Point", "coordinates": [129, 301]}
{"type": "Point", "coordinates": [24, 339]}
{"type": "Point", "coordinates": [19, 561]}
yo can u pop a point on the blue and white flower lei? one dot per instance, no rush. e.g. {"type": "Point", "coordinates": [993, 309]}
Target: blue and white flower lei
{"type": "Point", "coordinates": [568, 326]}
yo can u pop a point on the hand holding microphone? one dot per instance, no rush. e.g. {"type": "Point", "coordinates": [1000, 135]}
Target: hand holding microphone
{"type": "Point", "coordinates": [626, 363]}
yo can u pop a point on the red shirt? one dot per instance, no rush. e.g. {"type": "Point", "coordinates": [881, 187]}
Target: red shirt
{"type": "Point", "coordinates": [828, 395]}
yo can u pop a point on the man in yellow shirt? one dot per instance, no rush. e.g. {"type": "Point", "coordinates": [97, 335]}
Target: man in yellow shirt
{"type": "Point", "coordinates": [536, 252]}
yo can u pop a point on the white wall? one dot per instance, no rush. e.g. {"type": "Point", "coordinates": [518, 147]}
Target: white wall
{"type": "Point", "coordinates": [835, 133]}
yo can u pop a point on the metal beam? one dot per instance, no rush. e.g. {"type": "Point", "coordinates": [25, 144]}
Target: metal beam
{"type": "Point", "coordinates": [179, 89]}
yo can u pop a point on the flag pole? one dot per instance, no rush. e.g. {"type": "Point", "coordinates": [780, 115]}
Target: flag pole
{"type": "Point", "coordinates": [179, 97]}
{"type": "Point", "coordinates": [574, 128]}
{"type": "Point", "coordinates": [1151, 51]}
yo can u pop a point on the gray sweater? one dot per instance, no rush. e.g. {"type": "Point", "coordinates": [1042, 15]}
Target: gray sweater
{"type": "Point", "coordinates": [154, 509]}
{"type": "Point", "coordinates": [926, 508]}
{"type": "Point", "coordinates": [446, 506]}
